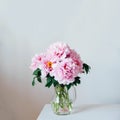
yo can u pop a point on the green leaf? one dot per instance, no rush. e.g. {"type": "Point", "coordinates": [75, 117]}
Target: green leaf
{"type": "Point", "coordinates": [39, 79]}
{"type": "Point", "coordinates": [33, 82]}
{"type": "Point", "coordinates": [37, 72]}
{"type": "Point", "coordinates": [86, 68]}
{"type": "Point", "coordinates": [48, 84]}
{"type": "Point", "coordinates": [37, 75]}
{"type": "Point", "coordinates": [54, 82]}
{"type": "Point", "coordinates": [49, 81]}
{"type": "Point", "coordinates": [77, 80]}
{"type": "Point", "coordinates": [68, 86]}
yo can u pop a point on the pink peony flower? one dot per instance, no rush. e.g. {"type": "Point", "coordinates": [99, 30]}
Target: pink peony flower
{"type": "Point", "coordinates": [46, 65]}
{"type": "Point", "coordinates": [59, 51]}
{"type": "Point", "coordinates": [36, 60]}
{"type": "Point", "coordinates": [65, 71]}
{"type": "Point", "coordinates": [77, 60]}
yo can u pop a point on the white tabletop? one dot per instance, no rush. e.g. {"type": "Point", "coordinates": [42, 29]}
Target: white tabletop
{"type": "Point", "coordinates": [84, 112]}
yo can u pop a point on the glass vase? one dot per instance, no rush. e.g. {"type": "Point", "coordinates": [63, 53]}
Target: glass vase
{"type": "Point", "coordinates": [62, 103]}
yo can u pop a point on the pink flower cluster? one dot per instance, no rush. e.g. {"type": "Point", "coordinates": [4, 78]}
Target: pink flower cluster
{"type": "Point", "coordinates": [59, 61]}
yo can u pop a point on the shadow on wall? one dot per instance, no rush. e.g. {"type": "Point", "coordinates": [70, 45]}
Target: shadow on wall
{"type": "Point", "coordinates": [14, 104]}
{"type": "Point", "coordinates": [18, 99]}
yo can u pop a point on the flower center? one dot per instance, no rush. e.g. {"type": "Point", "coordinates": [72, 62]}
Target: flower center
{"type": "Point", "coordinates": [49, 64]}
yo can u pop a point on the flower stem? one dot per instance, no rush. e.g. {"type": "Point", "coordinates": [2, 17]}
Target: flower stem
{"type": "Point", "coordinates": [62, 104]}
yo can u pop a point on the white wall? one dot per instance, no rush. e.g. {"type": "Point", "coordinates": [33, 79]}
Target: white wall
{"type": "Point", "coordinates": [92, 27]}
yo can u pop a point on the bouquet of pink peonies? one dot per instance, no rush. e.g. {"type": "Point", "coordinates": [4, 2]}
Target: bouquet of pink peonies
{"type": "Point", "coordinates": [60, 65]}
